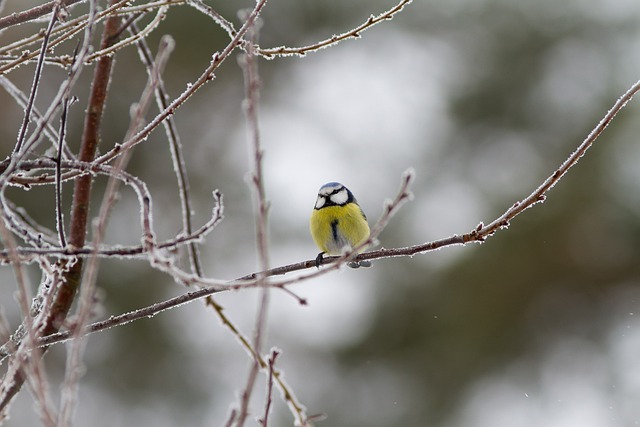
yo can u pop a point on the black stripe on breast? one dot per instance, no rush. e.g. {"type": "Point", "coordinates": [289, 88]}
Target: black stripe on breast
{"type": "Point", "coordinates": [334, 230]}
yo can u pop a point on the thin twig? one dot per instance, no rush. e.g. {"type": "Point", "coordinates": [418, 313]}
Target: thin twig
{"type": "Point", "coordinates": [63, 91]}
{"type": "Point", "coordinates": [206, 76]}
{"type": "Point", "coordinates": [183, 188]}
{"type": "Point", "coordinates": [85, 300]}
{"type": "Point", "coordinates": [175, 148]}
{"type": "Point", "coordinates": [268, 400]}
{"type": "Point", "coordinates": [33, 13]}
{"type": "Point", "coordinates": [66, 291]}
{"type": "Point", "coordinates": [231, 419]}
{"type": "Point", "coordinates": [252, 85]}
{"type": "Point", "coordinates": [27, 361]}
{"type": "Point", "coordinates": [21, 99]}
{"type": "Point", "coordinates": [61, 135]}
{"type": "Point", "coordinates": [224, 23]}
{"type": "Point", "coordinates": [73, 28]}
{"type": "Point", "coordinates": [36, 81]}
{"type": "Point", "coordinates": [354, 33]}
{"type": "Point", "coordinates": [109, 50]}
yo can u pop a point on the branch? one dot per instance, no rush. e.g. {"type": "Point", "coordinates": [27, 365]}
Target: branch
{"type": "Point", "coordinates": [267, 407]}
{"type": "Point", "coordinates": [477, 235]}
{"type": "Point", "coordinates": [74, 369]}
{"type": "Point", "coordinates": [211, 286]}
{"type": "Point", "coordinates": [22, 366]}
{"type": "Point", "coordinates": [36, 80]}
{"type": "Point", "coordinates": [67, 289]}
{"type": "Point", "coordinates": [68, 30]}
{"type": "Point", "coordinates": [177, 157]}
{"type": "Point", "coordinates": [252, 84]}
{"type": "Point", "coordinates": [33, 13]}
{"type": "Point", "coordinates": [206, 76]}
{"type": "Point", "coordinates": [354, 33]}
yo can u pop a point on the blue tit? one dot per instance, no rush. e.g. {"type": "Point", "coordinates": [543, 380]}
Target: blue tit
{"type": "Point", "coordinates": [338, 223]}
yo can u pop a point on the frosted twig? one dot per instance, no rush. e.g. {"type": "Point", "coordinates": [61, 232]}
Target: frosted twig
{"type": "Point", "coordinates": [85, 300]}
{"type": "Point", "coordinates": [481, 232]}
{"type": "Point", "coordinates": [68, 30]}
{"type": "Point", "coordinates": [66, 291]}
{"type": "Point", "coordinates": [36, 80]}
{"type": "Point", "coordinates": [183, 188]}
{"type": "Point", "coordinates": [231, 419]}
{"type": "Point", "coordinates": [175, 147]}
{"type": "Point", "coordinates": [268, 400]}
{"type": "Point", "coordinates": [27, 361]}
{"type": "Point", "coordinates": [62, 133]}
{"type": "Point", "coordinates": [21, 99]}
{"type": "Point", "coordinates": [62, 93]}
{"type": "Point", "coordinates": [207, 75]}
{"type": "Point", "coordinates": [72, 27]}
{"type": "Point", "coordinates": [20, 228]}
{"type": "Point", "coordinates": [252, 87]}
{"type": "Point", "coordinates": [139, 35]}
{"type": "Point", "coordinates": [354, 33]}
{"type": "Point", "coordinates": [33, 13]}
{"type": "Point", "coordinates": [217, 18]}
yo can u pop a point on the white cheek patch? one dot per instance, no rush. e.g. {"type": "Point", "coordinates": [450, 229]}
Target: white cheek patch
{"type": "Point", "coordinates": [320, 201]}
{"type": "Point", "coordinates": [340, 198]}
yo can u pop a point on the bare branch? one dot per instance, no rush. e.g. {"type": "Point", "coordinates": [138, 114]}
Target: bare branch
{"type": "Point", "coordinates": [162, 11]}
{"type": "Point", "coordinates": [177, 156]}
{"type": "Point", "coordinates": [33, 13]}
{"type": "Point", "coordinates": [403, 195]}
{"type": "Point", "coordinates": [252, 86]}
{"type": "Point", "coordinates": [267, 408]}
{"type": "Point", "coordinates": [22, 366]}
{"type": "Point", "coordinates": [217, 18]}
{"type": "Point", "coordinates": [207, 75]}
{"type": "Point", "coordinates": [36, 80]}
{"type": "Point", "coordinates": [270, 53]}
{"type": "Point", "coordinates": [85, 301]}
{"type": "Point", "coordinates": [21, 99]}
{"type": "Point", "coordinates": [59, 215]}
{"type": "Point", "coordinates": [67, 289]}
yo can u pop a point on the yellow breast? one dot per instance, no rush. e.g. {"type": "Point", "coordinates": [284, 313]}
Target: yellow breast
{"type": "Point", "coordinates": [334, 227]}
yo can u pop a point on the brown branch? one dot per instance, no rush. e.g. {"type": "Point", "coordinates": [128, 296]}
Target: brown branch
{"type": "Point", "coordinates": [82, 186]}
{"type": "Point", "coordinates": [66, 292]}
{"type": "Point", "coordinates": [33, 13]}
{"type": "Point", "coordinates": [477, 235]}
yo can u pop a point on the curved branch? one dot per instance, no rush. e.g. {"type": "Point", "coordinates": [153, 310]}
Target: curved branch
{"type": "Point", "coordinates": [479, 234]}
{"type": "Point", "coordinates": [270, 53]}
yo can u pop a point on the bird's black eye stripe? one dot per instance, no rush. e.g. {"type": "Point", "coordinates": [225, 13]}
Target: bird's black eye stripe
{"type": "Point", "coordinates": [329, 201]}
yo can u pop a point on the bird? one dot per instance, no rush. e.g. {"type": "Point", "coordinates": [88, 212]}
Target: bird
{"type": "Point", "coordinates": [338, 223]}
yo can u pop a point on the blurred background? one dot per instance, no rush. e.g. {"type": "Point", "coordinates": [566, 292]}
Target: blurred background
{"type": "Point", "coordinates": [539, 326]}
